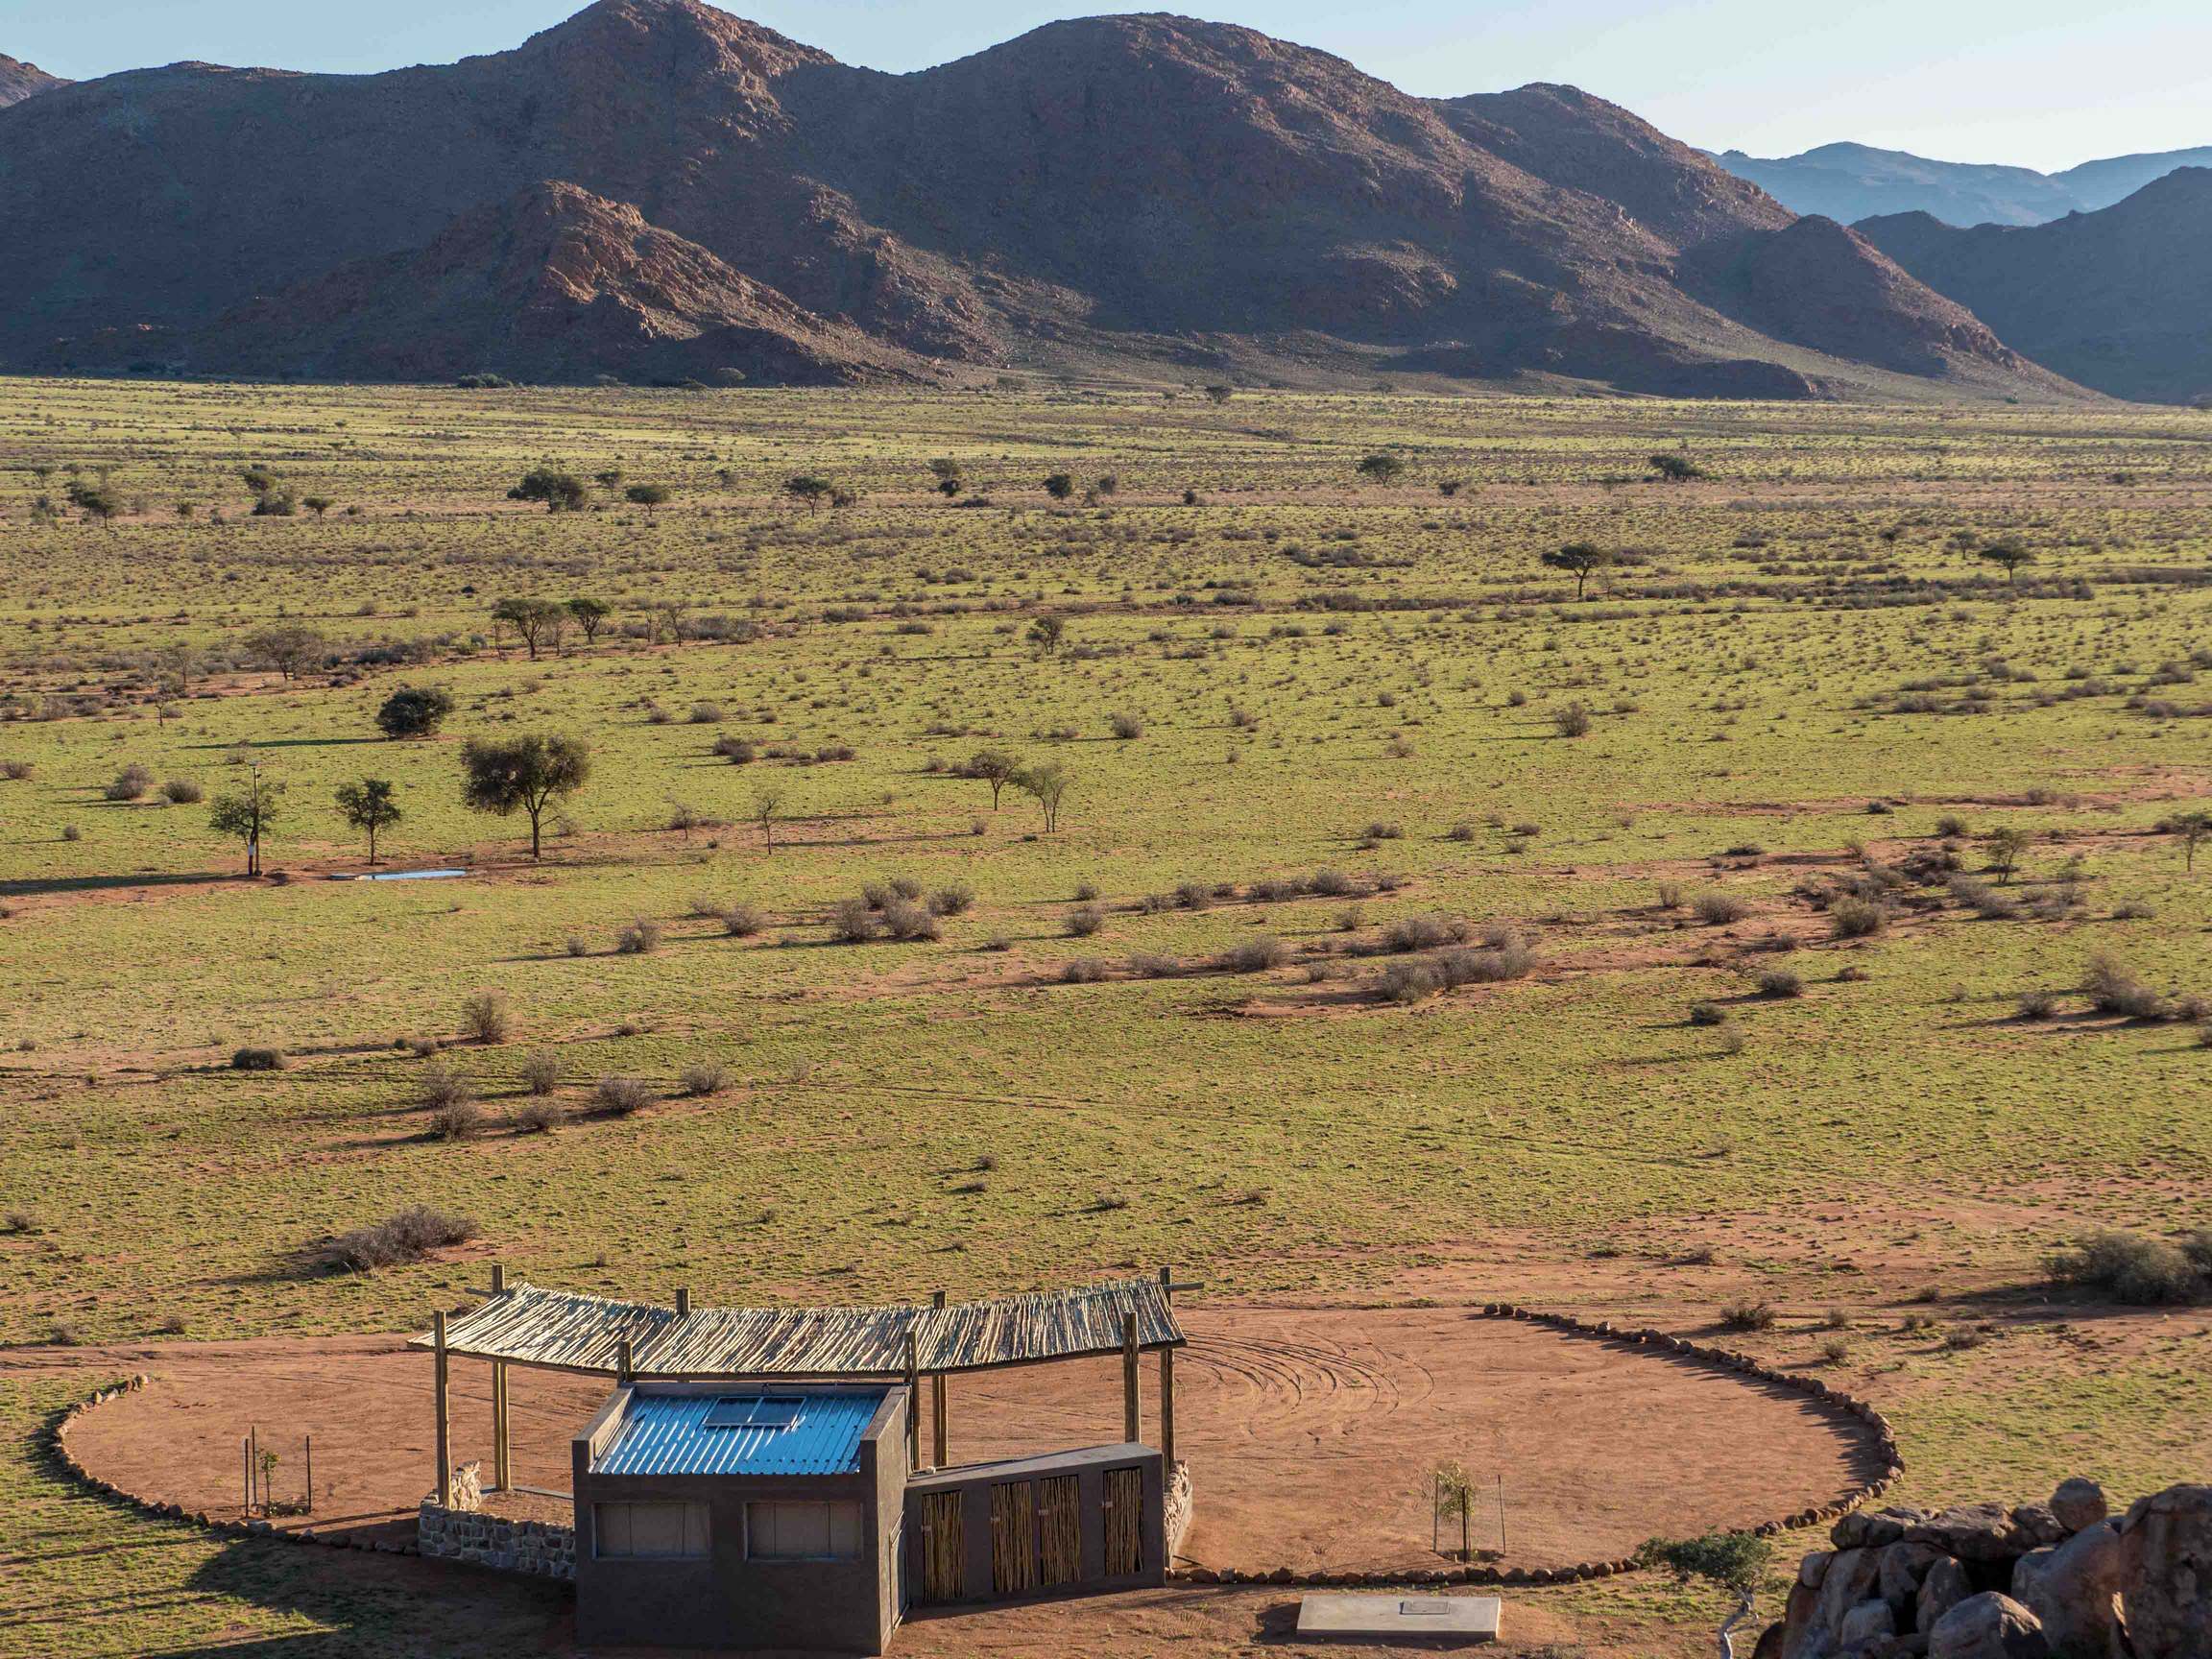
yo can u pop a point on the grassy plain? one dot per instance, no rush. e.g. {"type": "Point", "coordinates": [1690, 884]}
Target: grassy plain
{"type": "Point", "coordinates": [1801, 673]}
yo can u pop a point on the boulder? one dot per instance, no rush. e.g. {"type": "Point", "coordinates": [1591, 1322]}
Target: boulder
{"type": "Point", "coordinates": [2078, 1503]}
{"type": "Point", "coordinates": [1771, 1640]}
{"type": "Point", "coordinates": [1987, 1627]}
{"type": "Point", "coordinates": [1972, 1533]}
{"type": "Point", "coordinates": [2166, 1572]}
{"type": "Point", "coordinates": [2040, 1525]}
{"type": "Point", "coordinates": [2073, 1588]}
{"type": "Point", "coordinates": [1864, 1529]}
{"type": "Point", "coordinates": [1943, 1588]}
{"type": "Point", "coordinates": [1868, 1623]}
{"type": "Point", "coordinates": [1903, 1565]}
{"type": "Point", "coordinates": [1813, 1568]}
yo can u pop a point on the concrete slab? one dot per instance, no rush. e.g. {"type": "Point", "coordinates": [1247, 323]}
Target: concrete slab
{"type": "Point", "coordinates": [1456, 1620]}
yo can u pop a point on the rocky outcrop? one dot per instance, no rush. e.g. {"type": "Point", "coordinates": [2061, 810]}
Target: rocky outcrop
{"type": "Point", "coordinates": [2166, 1572]}
{"type": "Point", "coordinates": [2056, 1580]}
{"type": "Point", "coordinates": [19, 81]}
{"type": "Point", "coordinates": [1987, 1627]}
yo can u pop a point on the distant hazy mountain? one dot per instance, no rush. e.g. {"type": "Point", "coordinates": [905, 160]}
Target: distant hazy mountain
{"type": "Point", "coordinates": [2114, 299]}
{"type": "Point", "coordinates": [19, 79]}
{"type": "Point", "coordinates": [1854, 181]}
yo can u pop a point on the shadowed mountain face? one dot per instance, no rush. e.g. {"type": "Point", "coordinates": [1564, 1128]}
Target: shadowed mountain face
{"type": "Point", "coordinates": [19, 79]}
{"type": "Point", "coordinates": [659, 190]}
{"type": "Point", "coordinates": [1855, 181]}
{"type": "Point", "coordinates": [2114, 299]}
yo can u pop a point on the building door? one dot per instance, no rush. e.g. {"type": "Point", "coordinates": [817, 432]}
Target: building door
{"type": "Point", "coordinates": [1059, 1530]}
{"type": "Point", "coordinates": [943, 1547]}
{"type": "Point", "coordinates": [1125, 1523]}
{"type": "Point", "coordinates": [1014, 1537]}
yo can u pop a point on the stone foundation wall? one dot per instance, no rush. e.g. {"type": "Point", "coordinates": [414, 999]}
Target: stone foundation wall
{"type": "Point", "coordinates": [540, 1548]}
{"type": "Point", "coordinates": [1178, 1506]}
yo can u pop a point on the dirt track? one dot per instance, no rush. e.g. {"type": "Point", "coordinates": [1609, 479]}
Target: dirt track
{"type": "Point", "coordinates": [1309, 1433]}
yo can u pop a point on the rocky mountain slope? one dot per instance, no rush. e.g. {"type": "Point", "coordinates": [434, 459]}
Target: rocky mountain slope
{"type": "Point", "coordinates": [1855, 181]}
{"type": "Point", "coordinates": [2113, 300]}
{"type": "Point", "coordinates": [656, 189]}
{"type": "Point", "coordinates": [19, 79]}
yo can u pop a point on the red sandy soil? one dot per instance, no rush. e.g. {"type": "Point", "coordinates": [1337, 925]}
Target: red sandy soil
{"type": "Point", "coordinates": [1309, 1433]}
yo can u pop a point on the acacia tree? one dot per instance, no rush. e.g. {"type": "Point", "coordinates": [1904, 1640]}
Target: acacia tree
{"type": "Point", "coordinates": [946, 472]}
{"type": "Point", "coordinates": [1382, 468]}
{"type": "Point", "coordinates": [415, 711]}
{"type": "Point", "coordinates": [2008, 553]}
{"type": "Point", "coordinates": [560, 489]}
{"type": "Point", "coordinates": [1580, 559]}
{"type": "Point", "coordinates": [508, 775]}
{"type": "Point", "coordinates": [1060, 484]}
{"type": "Point", "coordinates": [1735, 1561]}
{"type": "Point", "coordinates": [767, 804]}
{"type": "Point", "coordinates": [648, 496]}
{"type": "Point", "coordinates": [247, 813]}
{"type": "Point", "coordinates": [537, 622]}
{"type": "Point", "coordinates": [808, 488]}
{"type": "Point", "coordinates": [2191, 828]}
{"type": "Point", "coordinates": [995, 767]}
{"type": "Point", "coordinates": [1049, 782]}
{"type": "Point", "coordinates": [2006, 845]}
{"type": "Point", "coordinates": [1047, 634]}
{"type": "Point", "coordinates": [1677, 468]}
{"type": "Point", "coordinates": [590, 614]}
{"type": "Point", "coordinates": [288, 648]}
{"type": "Point", "coordinates": [370, 806]}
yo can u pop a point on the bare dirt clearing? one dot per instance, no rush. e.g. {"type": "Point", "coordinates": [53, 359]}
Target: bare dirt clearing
{"type": "Point", "coordinates": [1598, 1446]}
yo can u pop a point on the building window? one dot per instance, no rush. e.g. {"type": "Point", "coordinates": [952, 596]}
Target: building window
{"type": "Point", "coordinates": [649, 1532]}
{"type": "Point", "coordinates": [801, 1531]}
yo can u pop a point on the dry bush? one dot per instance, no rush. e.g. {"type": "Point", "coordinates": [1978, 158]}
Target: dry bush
{"type": "Point", "coordinates": [2135, 1269]}
{"type": "Point", "coordinates": [257, 1060]}
{"type": "Point", "coordinates": [537, 1116]}
{"type": "Point", "coordinates": [742, 921]}
{"type": "Point", "coordinates": [1083, 970]}
{"type": "Point", "coordinates": [456, 1122]}
{"type": "Point", "coordinates": [129, 785]}
{"type": "Point", "coordinates": [1718, 909]}
{"type": "Point", "coordinates": [852, 922]}
{"type": "Point", "coordinates": [704, 1077]}
{"type": "Point", "coordinates": [2113, 989]}
{"type": "Point", "coordinates": [621, 1096]}
{"type": "Point", "coordinates": [1407, 982]}
{"type": "Point", "coordinates": [485, 1017]}
{"type": "Point", "coordinates": [1750, 1316]}
{"type": "Point", "coordinates": [443, 1088]}
{"type": "Point", "coordinates": [1255, 956]}
{"type": "Point", "coordinates": [956, 899]}
{"type": "Point", "coordinates": [1856, 919]}
{"type": "Point", "coordinates": [1084, 920]}
{"type": "Point", "coordinates": [542, 1071]}
{"type": "Point", "coordinates": [1151, 965]}
{"type": "Point", "coordinates": [407, 1237]}
{"type": "Point", "coordinates": [1425, 933]}
{"type": "Point", "coordinates": [183, 792]}
{"type": "Point", "coordinates": [640, 938]}
{"type": "Point", "coordinates": [1780, 983]}
{"type": "Point", "coordinates": [909, 921]}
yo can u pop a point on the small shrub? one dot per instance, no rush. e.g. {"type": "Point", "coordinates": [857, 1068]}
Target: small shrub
{"type": "Point", "coordinates": [2038, 1004]}
{"type": "Point", "coordinates": [704, 1077]}
{"type": "Point", "coordinates": [909, 921]}
{"type": "Point", "coordinates": [2134, 1270]}
{"type": "Point", "coordinates": [257, 1060]}
{"type": "Point", "coordinates": [1084, 920]}
{"type": "Point", "coordinates": [1718, 909]}
{"type": "Point", "coordinates": [485, 1017]}
{"type": "Point", "coordinates": [457, 1122]}
{"type": "Point", "coordinates": [1151, 965]}
{"type": "Point", "coordinates": [1382, 830]}
{"type": "Point", "coordinates": [421, 1047]}
{"type": "Point", "coordinates": [742, 921]}
{"type": "Point", "coordinates": [1573, 721]}
{"type": "Point", "coordinates": [1083, 970]}
{"type": "Point", "coordinates": [576, 944]}
{"type": "Point", "coordinates": [1780, 983]}
{"type": "Point", "coordinates": [1086, 892]}
{"type": "Point", "coordinates": [1856, 919]}
{"type": "Point", "coordinates": [183, 792]}
{"type": "Point", "coordinates": [1750, 1316]}
{"type": "Point", "coordinates": [1835, 1351]}
{"type": "Point", "coordinates": [407, 1237]}
{"type": "Point", "coordinates": [1708, 1014]}
{"type": "Point", "coordinates": [1126, 727]}
{"type": "Point", "coordinates": [621, 1097]}
{"type": "Point", "coordinates": [542, 1071]}
{"type": "Point", "coordinates": [1255, 955]}
{"type": "Point", "coordinates": [1668, 895]}
{"type": "Point", "coordinates": [537, 1116]}
{"type": "Point", "coordinates": [443, 1087]}
{"type": "Point", "coordinates": [129, 785]}
{"type": "Point", "coordinates": [956, 899]}
{"type": "Point", "coordinates": [1424, 932]}
{"type": "Point", "coordinates": [16, 770]}
{"type": "Point", "coordinates": [1731, 1039]}
{"type": "Point", "coordinates": [640, 938]}
{"type": "Point", "coordinates": [852, 922]}
{"type": "Point", "coordinates": [2112, 989]}
{"type": "Point", "coordinates": [1407, 982]}
{"type": "Point", "coordinates": [1332, 884]}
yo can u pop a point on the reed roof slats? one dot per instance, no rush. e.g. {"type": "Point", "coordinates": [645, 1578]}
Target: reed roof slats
{"type": "Point", "coordinates": [526, 1325]}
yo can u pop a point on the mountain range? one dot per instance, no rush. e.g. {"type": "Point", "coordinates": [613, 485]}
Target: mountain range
{"type": "Point", "coordinates": [19, 79]}
{"type": "Point", "coordinates": [657, 190]}
{"type": "Point", "coordinates": [2116, 298]}
{"type": "Point", "coordinates": [1854, 181]}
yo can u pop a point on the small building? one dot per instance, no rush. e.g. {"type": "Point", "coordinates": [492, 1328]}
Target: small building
{"type": "Point", "coordinates": [714, 1516]}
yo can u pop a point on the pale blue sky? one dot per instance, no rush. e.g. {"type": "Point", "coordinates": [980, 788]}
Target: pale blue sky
{"type": "Point", "coordinates": [2040, 83]}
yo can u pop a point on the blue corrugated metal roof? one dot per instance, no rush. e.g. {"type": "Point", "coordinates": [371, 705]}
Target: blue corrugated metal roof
{"type": "Point", "coordinates": [668, 1434]}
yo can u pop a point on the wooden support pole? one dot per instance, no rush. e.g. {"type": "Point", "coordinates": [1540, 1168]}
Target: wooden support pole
{"type": "Point", "coordinates": [1168, 1382]}
{"type": "Point", "coordinates": [682, 1300]}
{"type": "Point", "coordinates": [445, 1484]}
{"type": "Point", "coordinates": [937, 1458]}
{"type": "Point", "coordinates": [624, 1361]}
{"type": "Point", "coordinates": [1130, 1428]}
{"type": "Point", "coordinates": [913, 1403]}
{"type": "Point", "coordinates": [502, 1471]}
